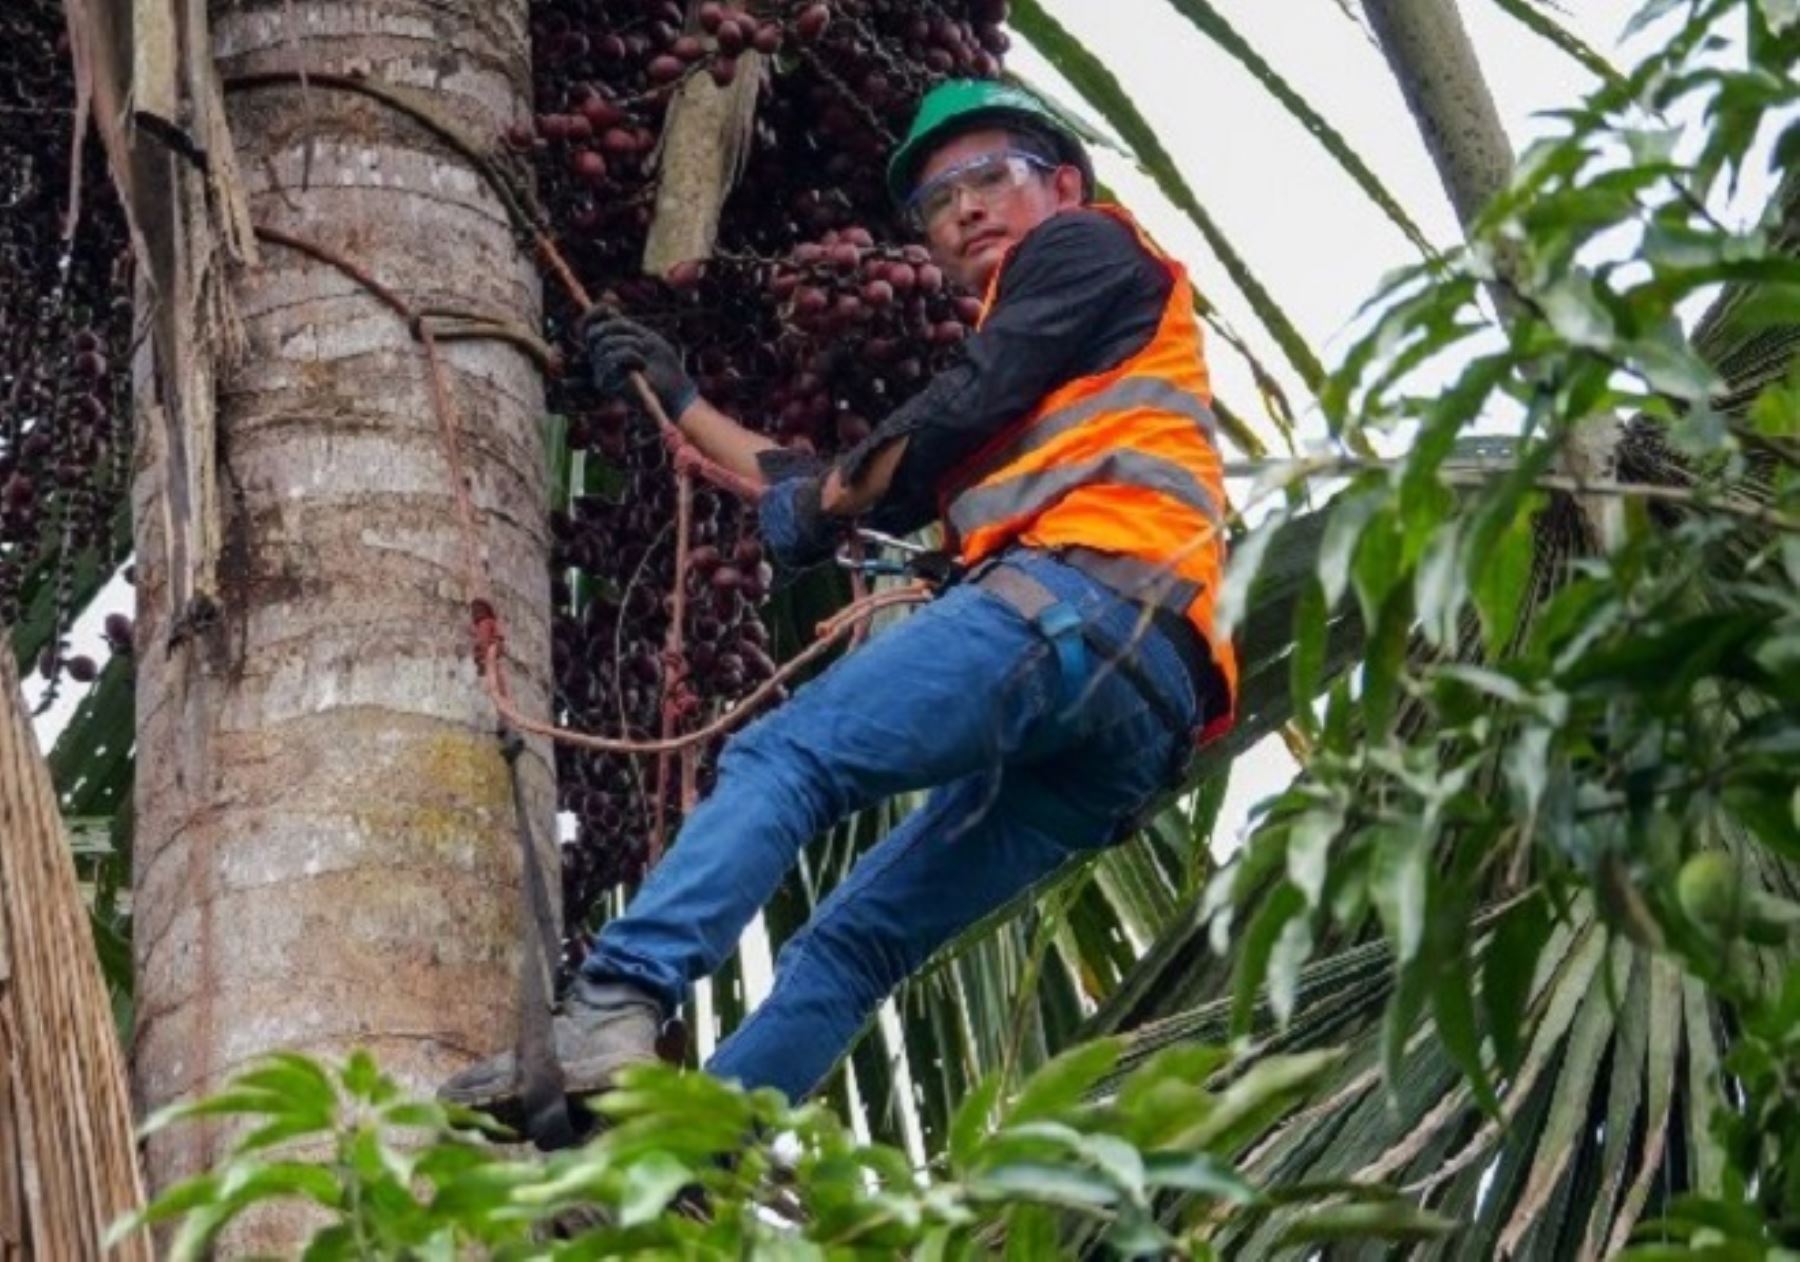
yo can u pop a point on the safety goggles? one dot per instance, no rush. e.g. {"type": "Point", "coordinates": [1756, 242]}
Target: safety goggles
{"type": "Point", "coordinates": [985, 179]}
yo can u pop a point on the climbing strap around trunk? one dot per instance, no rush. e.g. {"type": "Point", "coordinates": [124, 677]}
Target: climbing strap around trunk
{"type": "Point", "coordinates": [540, 1076]}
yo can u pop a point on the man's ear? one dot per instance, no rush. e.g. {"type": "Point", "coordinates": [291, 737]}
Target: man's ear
{"type": "Point", "coordinates": [1067, 183]}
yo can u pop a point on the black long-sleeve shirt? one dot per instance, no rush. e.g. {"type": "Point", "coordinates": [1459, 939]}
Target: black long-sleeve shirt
{"type": "Point", "coordinates": [1078, 296]}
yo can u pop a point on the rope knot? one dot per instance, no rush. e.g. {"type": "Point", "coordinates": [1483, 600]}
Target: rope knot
{"type": "Point", "coordinates": [484, 625]}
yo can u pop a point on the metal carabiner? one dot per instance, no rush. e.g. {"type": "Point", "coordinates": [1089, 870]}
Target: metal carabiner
{"type": "Point", "coordinates": [918, 561]}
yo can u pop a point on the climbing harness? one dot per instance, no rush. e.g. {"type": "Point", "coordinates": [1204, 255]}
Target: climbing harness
{"type": "Point", "coordinates": [1080, 645]}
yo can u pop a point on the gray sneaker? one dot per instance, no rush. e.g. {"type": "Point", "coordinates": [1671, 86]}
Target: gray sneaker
{"type": "Point", "coordinates": [604, 1027]}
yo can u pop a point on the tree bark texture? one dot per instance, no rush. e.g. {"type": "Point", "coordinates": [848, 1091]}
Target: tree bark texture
{"type": "Point", "coordinates": [325, 849]}
{"type": "Point", "coordinates": [68, 1163]}
{"type": "Point", "coordinates": [1429, 52]}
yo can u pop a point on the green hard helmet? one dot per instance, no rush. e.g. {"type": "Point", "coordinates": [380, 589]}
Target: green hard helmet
{"type": "Point", "coordinates": [964, 105]}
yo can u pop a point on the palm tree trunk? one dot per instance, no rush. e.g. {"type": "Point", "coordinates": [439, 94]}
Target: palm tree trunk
{"type": "Point", "coordinates": [68, 1166]}
{"type": "Point", "coordinates": [1429, 52]}
{"type": "Point", "coordinates": [325, 853]}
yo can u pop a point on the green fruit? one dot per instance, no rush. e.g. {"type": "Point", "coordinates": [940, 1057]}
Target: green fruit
{"type": "Point", "coordinates": [1710, 890]}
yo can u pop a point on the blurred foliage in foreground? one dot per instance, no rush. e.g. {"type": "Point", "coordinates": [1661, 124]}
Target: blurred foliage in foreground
{"type": "Point", "coordinates": [694, 1168]}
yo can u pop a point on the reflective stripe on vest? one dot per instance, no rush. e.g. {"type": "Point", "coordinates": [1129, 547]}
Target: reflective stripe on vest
{"type": "Point", "coordinates": [1128, 392]}
{"type": "Point", "coordinates": [1145, 582]}
{"type": "Point", "coordinates": [1028, 494]}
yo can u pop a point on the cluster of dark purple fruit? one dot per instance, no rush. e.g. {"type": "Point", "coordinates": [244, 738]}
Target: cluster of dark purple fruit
{"type": "Point", "coordinates": [65, 328]}
{"type": "Point", "coordinates": [816, 317]}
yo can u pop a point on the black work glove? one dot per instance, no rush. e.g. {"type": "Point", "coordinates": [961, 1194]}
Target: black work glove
{"type": "Point", "coordinates": [795, 528]}
{"type": "Point", "coordinates": [618, 347]}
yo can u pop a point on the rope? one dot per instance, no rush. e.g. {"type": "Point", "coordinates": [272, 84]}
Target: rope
{"type": "Point", "coordinates": [486, 630]}
{"type": "Point", "coordinates": [830, 633]}
{"type": "Point", "coordinates": [676, 694]}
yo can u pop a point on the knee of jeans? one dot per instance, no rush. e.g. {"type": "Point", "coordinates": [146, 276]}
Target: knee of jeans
{"type": "Point", "coordinates": [769, 756]}
{"type": "Point", "coordinates": [863, 965]}
{"type": "Point", "coordinates": [865, 961]}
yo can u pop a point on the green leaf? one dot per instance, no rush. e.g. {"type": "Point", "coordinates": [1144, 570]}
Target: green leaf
{"type": "Point", "coordinates": [1399, 1021]}
{"type": "Point", "coordinates": [1441, 428]}
{"type": "Point", "coordinates": [1575, 311]}
{"type": "Point", "coordinates": [1292, 949]}
{"type": "Point", "coordinates": [1056, 1088]}
{"type": "Point", "coordinates": [1267, 1090]}
{"type": "Point", "coordinates": [650, 1184]}
{"type": "Point", "coordinates": [362, 1079]}
{"type": "Point", "coordinates": [1240, 574]}
{"type": "Point", "coordinates": [1308, 846]}
{"type": "Point", "coordinates": [1384, 661]}
{"type": "Point", "coordinates": [1068, 1186]}
{"type": "Point", "coordinates": [194, 1239]}
{"type": "Point", "coordinates": [1439, 586]}
{"type": "Point", "coordinates": [1354, 1223]}
{"type": "Point", "coordinates": [1265, 930]}
{"type": "Point", "coordinates": [1167, 1084]}
{"type": "Point", "coordinates": [255, 1181]}
{"type": "Point", "coordinates": [1507, 969]}
{"type": "Point", "coordinates": [1770, 815]}
{"type": "Point", "coordinates": [1349, 516]}
{"type": "Point", "coordinates": [298, 1079]}
{"type": "Point", "coordinates": [1030, 1234]}
{"type": "Point", "coordinates": [1307, 665]}
{"type": "Point", "coordinates": [1134, 1234]}
{"type": "Point", "coordinates": [1453, 1009]}
{"type": "Point", "coordinates": [226, 1103]}
{"type": "Point", "coordinates": [1117, 1160]}
{"type": "Point", "coordinates": [1201, 1173]}
{"type": "Point", "coordinates": [180, 1198]}
{"type": "Point", "coordinates": [1397, 885]}
{"type": "Point", "coordinates": [1502, 578]}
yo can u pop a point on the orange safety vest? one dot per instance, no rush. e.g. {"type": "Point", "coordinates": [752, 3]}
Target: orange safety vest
{"type": "Point", "coordinates": [1117, 471]}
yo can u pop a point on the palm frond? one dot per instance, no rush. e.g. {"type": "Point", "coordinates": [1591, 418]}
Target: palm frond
{"type": "Point", "coordinates": [1534, 16]}
{"type": "Point", "coordinates": [1214, 25]}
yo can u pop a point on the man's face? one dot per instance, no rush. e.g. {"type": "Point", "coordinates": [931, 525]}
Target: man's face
{"type": "Point", "coordinates": [974, 231]}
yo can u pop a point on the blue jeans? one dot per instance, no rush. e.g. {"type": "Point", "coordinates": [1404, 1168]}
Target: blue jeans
{"type": "Point", "coordinates": [964, 697]}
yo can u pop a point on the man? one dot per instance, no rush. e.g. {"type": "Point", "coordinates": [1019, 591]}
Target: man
{"type": "Point", "coordinates": [1044, 699]}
